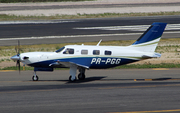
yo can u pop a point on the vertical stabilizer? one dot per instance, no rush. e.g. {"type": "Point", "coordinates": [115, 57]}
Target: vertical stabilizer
{"type": "Point", "coordinates": [150, 38]}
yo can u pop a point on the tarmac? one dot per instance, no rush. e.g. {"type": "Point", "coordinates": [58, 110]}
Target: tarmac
{"type": "Point", "coordinates": [103, 91]}
{"type": "Point", "coordinates": [89, 7]}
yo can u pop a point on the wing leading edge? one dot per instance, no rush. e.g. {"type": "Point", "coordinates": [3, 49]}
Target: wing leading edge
{"type": "Point", "coordinates": [85, 63]}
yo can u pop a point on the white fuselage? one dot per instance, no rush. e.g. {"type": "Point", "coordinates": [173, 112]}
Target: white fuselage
{"type": "Point", "coordinates": [96, 55]}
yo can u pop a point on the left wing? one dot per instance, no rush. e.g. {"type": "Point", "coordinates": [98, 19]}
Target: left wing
{"type": "Point", "coordinates": [82, 62]}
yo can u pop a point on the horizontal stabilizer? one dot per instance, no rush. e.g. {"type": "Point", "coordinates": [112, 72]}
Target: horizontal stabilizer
{"type": "Point", "coordinates": [155, 55]}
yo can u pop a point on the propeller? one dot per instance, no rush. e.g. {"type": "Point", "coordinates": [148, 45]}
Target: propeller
{"type": "Point", "coordinates": [18, 61]}
{"type": "Point", "coordinates": [17, 57]}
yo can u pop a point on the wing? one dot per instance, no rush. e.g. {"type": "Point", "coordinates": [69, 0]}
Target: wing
{"type": "Point", "coordinates": [82, 62]}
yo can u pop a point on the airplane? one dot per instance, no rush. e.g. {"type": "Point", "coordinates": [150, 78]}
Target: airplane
{"type": "Point", "coordinates": [82, 57]}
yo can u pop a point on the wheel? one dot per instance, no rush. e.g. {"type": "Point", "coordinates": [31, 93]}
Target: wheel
{"type": "Point", "coordinates": [72, 80]}
{"type": "Point", "coordinates": [81, 76]}
{"type": "Point", "coordinates": [35, 78]}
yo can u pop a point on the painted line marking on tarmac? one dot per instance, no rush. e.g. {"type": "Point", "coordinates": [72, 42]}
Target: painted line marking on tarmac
{"type": "Point", "coordinates": [28, 91]}
{"type": "Point", "coordinates": [143, 79]}
{"type": "Point", "coordinates": [130, 28]}
{"type": "Point", "coordinates": [158, 79]}
{"type": "Point", "coordinates": [6, 70]}
{"type": "Point", "coordinates": [148, 79]}
{"type": "Point", "coordinates": [155, 111]}
{"type": "Point", "coordinates": [70, 36]}
{"type": "Point", "coordinates": [160, 68]}
{"type": "Point", "coordinates": [75, 36]}
{"type": "Point", "coordinates": [35, 22]}
{"type": "Point", "coordinates": [141, 86]}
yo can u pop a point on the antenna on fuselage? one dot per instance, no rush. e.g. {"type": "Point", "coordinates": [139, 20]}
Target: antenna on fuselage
{"type": "Point", "coordinates": [99, 42]}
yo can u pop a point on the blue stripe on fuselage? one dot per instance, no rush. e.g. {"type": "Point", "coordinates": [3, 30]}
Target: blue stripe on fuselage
{"type": "Point", "coordinates": [91, 62]}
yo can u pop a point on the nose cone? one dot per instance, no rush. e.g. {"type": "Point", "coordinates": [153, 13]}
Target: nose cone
{"type": "Point", "coordinates": [15, 57]}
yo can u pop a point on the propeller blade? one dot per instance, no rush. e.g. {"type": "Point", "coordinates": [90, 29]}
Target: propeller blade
{"type": "Point", "coordinates": [16, 63]}
{"type": "Point", "coordinates": [19, 66]}
{"type": "Point", "coordinates": [18, 47]}
{"type": "Point", "coordinates": [17, 57]}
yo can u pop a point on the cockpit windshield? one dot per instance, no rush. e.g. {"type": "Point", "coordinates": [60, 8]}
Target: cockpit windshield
{"type": "Point", "coordinates": [59, 50]}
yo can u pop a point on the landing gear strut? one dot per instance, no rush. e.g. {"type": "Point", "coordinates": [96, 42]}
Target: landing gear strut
{"type": "Point", "coordinates": [73, 69]}
{"type": "Point", "coordinates": [81, 75]}
{"type": "Point", "coordinates": [35, 77]}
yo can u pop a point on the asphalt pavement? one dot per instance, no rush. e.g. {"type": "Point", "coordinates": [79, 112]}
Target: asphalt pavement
{"type": "Point", "coordinates": [103, 91]}
{"type": "Point", "coordinates": [83, 30]}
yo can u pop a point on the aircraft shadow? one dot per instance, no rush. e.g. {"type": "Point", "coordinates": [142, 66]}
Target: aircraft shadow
{"type": "Point", "coordinates": [88, 79]}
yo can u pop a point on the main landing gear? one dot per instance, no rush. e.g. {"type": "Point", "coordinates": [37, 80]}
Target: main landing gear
{"type": "Point", "coordinates": [81, 75]}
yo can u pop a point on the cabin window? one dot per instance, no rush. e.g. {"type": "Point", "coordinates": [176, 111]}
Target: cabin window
{"type": "Point", "coordinates": [69, 51]}
{"type": "Point", "coordinates": [96, 52]}
{"type": "Point", "coordinates": [84, 52]}
{"type": "Point", "coordinates": [59, 50]}
{"type": "Point", "coordinates": [107, 52]}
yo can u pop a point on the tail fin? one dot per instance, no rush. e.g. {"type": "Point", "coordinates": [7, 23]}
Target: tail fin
{"type": "Point", "coordinates": [149, 40]}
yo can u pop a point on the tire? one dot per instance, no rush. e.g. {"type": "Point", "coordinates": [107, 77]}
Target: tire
{"type": "Point", "coordinates": [71, 80]}
{"type": "Point", "coordinates": [81, 76]}
{"type": "Point", "coordinates": [35, 78]}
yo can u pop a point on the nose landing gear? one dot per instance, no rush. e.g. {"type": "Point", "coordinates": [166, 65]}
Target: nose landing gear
{"type": "Point", "coordinates": [35, 77]}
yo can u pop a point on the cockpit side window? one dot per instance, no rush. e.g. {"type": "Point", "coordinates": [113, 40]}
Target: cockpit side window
{"type": "Point", "coordinates": [69, 51]}
{"type": "Point", "coordinates": [59, 50]}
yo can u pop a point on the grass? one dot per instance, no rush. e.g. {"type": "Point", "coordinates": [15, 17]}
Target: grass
{"type": "Point", "coordinates": [143, 66]}
{"type": "Point", "coordinates": [16, 68]}
{"type": "Point", "coordinates": [5, 17]}
{"type": "Point", "coordinates": [165, 45]}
